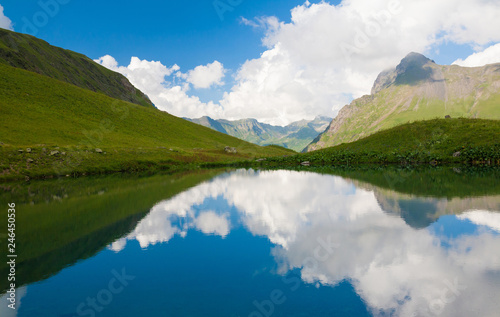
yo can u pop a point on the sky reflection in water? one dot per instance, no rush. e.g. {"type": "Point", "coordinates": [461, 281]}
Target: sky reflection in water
{"type": "Point", "coordinates": [329, 231]}
{"type": "Point", "coordinates": [333, 231]}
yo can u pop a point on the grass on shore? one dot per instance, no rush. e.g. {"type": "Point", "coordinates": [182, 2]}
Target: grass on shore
{"type": "Point", "coordinates": [438, 141]}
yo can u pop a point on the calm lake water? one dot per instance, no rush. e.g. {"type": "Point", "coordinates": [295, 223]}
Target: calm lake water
{"type": "Point", "coordinates": [258, 243]}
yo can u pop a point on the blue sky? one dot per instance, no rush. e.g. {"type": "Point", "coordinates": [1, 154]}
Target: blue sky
{"type": "Point", "coordinates": [188, 33]}
{"type": "Point", "coordinates": [285, 62]}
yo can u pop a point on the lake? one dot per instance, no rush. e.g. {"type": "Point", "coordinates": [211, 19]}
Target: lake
{"type": "Point", "coordinates": [258, 243]}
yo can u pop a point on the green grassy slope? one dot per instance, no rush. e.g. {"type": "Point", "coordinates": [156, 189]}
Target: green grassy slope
{"type": "Point", "coordinates": [449, 90]}
{"type": "Point", "coordinates": [48, 115]}
{"type": "Point", "coordinates": [477, 140]}
{"type": "Point", "coordinates": [30, 53]}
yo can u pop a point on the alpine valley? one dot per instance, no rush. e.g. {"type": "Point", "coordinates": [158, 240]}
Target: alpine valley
{"type": "Point", "coordinates": [295, 136]}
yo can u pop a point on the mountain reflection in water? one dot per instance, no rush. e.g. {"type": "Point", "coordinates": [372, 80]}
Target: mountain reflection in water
{"type": "Point", "coordinates": [220, 246]}
{"type": "Point", "coordinates": [333, 230]}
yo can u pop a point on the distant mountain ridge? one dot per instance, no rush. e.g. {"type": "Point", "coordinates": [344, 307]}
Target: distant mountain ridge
{"type": "Point", "coordinates": [35, 55]}
{"type": "Point", "coordinates": [417, 89]}
{"type": "Point", "coordinates": [294, 136]}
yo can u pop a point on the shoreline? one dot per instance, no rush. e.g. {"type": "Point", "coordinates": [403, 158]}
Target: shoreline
{"type": "Point", "coordinates": [289, 162]}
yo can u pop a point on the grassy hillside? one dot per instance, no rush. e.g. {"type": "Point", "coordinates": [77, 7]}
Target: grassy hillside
{"type": "Point", "coordinates": [47, 115]}
{"type": "Point", "coordinates": [436, 141]}
{"type": "Point", "coordinates": [30, 53]}
{"type": "Point", "coordinates": [417, 90]}
{"type": "Point", "coordinates": [295, 136]}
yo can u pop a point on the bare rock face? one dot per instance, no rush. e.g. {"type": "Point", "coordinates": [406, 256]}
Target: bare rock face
{"type": "Point", "coordinates": [384, 80]}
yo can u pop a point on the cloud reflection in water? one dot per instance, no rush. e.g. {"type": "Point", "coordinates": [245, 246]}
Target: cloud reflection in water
{"type": "Point", "coordinates": [397, 269]}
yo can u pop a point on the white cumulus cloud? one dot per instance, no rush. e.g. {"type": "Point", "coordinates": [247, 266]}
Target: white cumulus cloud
{"type": "Point", "coordinates": [206, 76]}
{"type": "Point", "coordinates": [491, 55]}
{"type": "Point", "coordinates": [327, 55]}
{"type": "Point", "coordinates": [5, 22]}
{"type": "Point", "coordinates": [165, 86]}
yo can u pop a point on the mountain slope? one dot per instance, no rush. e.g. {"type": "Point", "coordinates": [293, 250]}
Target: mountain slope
{"type": "Point", "coordinates": [52, 117]}
{"type": "Point", "coordinates": [294, 136]}
{"type": "Point", "coordinates": [417, 89]}
{"type": "Point", "coordinates": [32, 54]}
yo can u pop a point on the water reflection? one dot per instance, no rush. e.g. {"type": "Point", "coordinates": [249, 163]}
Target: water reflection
{"type": "Point", "coordinates": [404, 255]}
{"type": "Point", "coordinates": [482, 218]}
{"type": "Point", "coordinates": [61, 222]}
{"type": "Point", "coordinates": [5, 311]}
{"type": "Point", "coordinates": [373, 242]}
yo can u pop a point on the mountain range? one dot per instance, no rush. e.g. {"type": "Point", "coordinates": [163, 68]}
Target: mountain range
{"type": "Point", "coordinates": [417, 89]}
{"type": "Point", "coordinates": [295, 136]}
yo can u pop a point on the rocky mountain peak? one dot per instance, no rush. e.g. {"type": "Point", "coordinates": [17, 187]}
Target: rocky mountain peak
{"type": "Point", "coordinates": [413, 60]}
{"type": "Point", "coordinates": [411, 70]}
